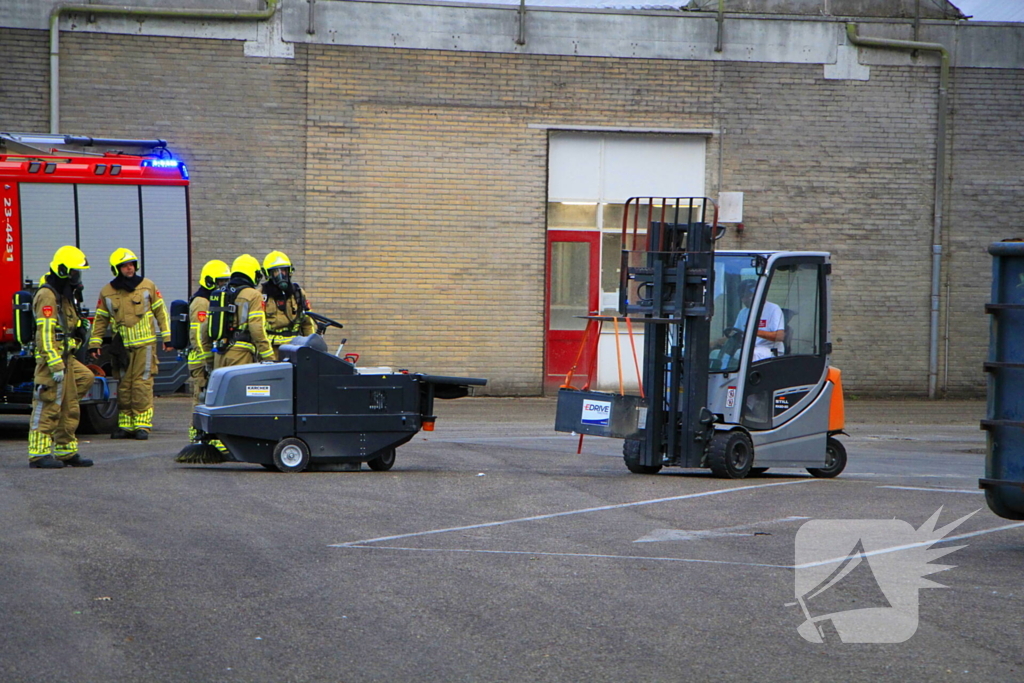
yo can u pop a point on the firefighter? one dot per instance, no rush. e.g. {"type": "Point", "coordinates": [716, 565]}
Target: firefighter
{"type": "Point", "coordinates": [284, 303]}
{"type": "Point", "coordinates": [60, 380]}
{"type": "Point", "coordinates": [215, 274]}
{"type": "Point", "coordinates": [132, 305]}
{"type": "Point", "coordinates": [244, 338]}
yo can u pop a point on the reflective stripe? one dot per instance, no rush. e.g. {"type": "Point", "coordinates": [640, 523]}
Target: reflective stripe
{"type": "Point", "coordinates": [139, 334]}
{"type": "Point", "coordinates": [280, 339]}
{"type": "Point", "coordinates": [144, 420]}
{"type": "Point", "coordinates": [63, 450]}
{"type": "Point", "coordinates": [46, 335]}
{"type": "Point", "coordinates": [147, 372]}
{"type": "Point", "coordinates": [244, 315]}
{"type": "Point", "coordinates": [37, 409]}
{"type": "Point", "coordinates": [39, 444]}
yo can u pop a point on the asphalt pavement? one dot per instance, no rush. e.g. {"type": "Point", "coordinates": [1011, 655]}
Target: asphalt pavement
{"type": "Point", "coordinates": [493, 551]}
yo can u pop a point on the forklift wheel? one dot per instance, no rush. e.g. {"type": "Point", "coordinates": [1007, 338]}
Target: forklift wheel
{"type": "Point", "coordinates": [384, 461]}
{"type": "Point", "coordinates": [291, 455]}
{"type": "Point", "coordinates": [835, 460]}
{"type": "Point", "coordinates": [731, 454]}
{"type": "Point", "coordinates": [631, 454]}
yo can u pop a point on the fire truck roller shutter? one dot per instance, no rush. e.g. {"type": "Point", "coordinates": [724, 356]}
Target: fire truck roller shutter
{"type": "Point", "coordinates": [48, 223]}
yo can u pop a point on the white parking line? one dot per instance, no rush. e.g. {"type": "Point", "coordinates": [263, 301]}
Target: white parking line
{"type": "Point", "coordinates": [921, 488]}
{"type": "Point", "coordinates": [880, 551]}
{"type": "Point", "coordinates": [919, 544]}
{"type": "Point", "coordinates": [570, 512]}
{"type": "Point", "coordinates": [542, 554]}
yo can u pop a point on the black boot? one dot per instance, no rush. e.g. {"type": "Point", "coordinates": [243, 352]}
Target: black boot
{"type": "Point", "coordinates": [122, 434]}
{"type": "Point", "coordinates": [77, 461]}
{"type": "Point", "coordinates": [47, 462]}
{"type": "Point", "coordinates": [142, 434]}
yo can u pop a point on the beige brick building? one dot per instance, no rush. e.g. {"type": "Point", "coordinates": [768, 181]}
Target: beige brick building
{"type": "Point", "coordinates": [399, 153]}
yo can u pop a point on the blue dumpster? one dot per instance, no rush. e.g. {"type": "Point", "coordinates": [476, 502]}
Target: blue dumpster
{"type": "Point", "coordinates": [1004, 461]}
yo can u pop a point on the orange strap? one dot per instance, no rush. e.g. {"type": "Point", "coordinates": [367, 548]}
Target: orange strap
{"type": "Point", "coordinates": [636, 360]}
{"type": "Point", "coordinates": [592, 371]}
{"type": "Point", "coordinates": [618, 358]}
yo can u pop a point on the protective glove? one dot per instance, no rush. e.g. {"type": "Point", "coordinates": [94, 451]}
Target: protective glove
{"type": "Point", "coordinates": [58, 376]}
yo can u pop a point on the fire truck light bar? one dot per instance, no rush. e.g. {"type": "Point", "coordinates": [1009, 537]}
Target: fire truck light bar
{"type": "Point", "coordinates": [167, 163]}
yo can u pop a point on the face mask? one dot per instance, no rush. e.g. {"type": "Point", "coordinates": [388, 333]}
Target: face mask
{"type": "Point", "coordinates": [75, 278]}
{"type": "Point", "coordinates": [280, 277]}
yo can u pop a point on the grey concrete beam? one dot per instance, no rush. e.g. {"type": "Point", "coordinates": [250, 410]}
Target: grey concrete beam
{"type": "Point", "coordinates": [423, 24]}
{"type": "Point", "coordinates": [595, 33]}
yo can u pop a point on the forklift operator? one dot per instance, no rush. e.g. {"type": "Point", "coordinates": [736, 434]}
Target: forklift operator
{"type": "Point", "coordinates": [771, 328]}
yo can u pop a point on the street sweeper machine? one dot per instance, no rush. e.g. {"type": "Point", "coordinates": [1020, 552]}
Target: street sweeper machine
{"type": "Point", "coordinates": [736, 349]}
{"type": "Point", "coordinates": [315, 407]}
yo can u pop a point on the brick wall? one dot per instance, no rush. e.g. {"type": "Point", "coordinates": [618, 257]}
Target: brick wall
{"type": "Point", "coordinates": [24, 81]}
{"type": "Point", "coordinates": [428, 188]}
{"type": "Point", "coordinates": [409, 186]}
{"type": "Point", "coordinates": [844, 167]}
{"type": "Point", "coordinates": [985, 205]}
{"type": "Point", "coordinates": [237, 123]}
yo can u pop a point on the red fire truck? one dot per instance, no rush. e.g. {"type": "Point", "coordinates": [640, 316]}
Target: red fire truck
{"type": "Point", "coordinates": [97, 194]}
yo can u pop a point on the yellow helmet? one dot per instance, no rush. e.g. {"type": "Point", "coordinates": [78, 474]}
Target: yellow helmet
{"type": "Point", "coordinates": [247, 265]}
{"type": "Point", "coordinates": [213, 270]}
{"type": "Point", "coordinates": [121, 257]}
{"type": "Point", "coordinates": [67, 259]}
{"type": "Point", "coordinates": [278, 261]}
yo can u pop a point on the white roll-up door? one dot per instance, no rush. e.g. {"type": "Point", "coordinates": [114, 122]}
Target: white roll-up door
{"type": "Point", "coordinates": [108, 219]}
{"type": "Point", "coordinates": [47, 224]}
{"type": "Point", "coordinates": [165, 240]}
{"type": "Point", "coordinates": [610, 168]}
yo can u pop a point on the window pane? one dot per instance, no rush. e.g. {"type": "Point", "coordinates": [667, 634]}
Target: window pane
{"type": "Point", "coordinates": [570, 284]}
{"type": "Point", "coordinates": [795, 289]}
{"type": "Point", "coordinates": [562, 215]}
{"type": "Point", "coordinates": [728, 326]}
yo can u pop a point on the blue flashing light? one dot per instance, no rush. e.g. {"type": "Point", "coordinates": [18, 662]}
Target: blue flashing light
{"type": "Point", "coordinates": [167, 163]}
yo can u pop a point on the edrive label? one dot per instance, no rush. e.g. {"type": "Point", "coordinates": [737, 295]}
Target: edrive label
{"type": "Point", "coordinates": [596, 412]}
{"type": "Point", "coordinates": [257, 390]}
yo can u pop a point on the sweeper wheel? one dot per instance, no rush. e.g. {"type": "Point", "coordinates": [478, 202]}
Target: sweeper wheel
{"type": "Point", "coordinates": [384, 461]}
{"type": "Point", "coordinates": [291, 455]}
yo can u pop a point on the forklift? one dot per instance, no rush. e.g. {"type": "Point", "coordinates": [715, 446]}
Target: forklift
{"type": "Point", "coordinates": [736, 375]}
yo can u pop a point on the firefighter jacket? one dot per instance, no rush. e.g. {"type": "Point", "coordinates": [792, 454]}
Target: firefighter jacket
{"type": "Point", "coordinates": [250, 323]}
{"type": "Point", "coordinates": [200, 348]}
{"type": "Point", "coordinates": [139, 316]}
{"type": "Point", "coordinates": [286, 314]}
{"type": "Point", "coordinates": [58, 327]}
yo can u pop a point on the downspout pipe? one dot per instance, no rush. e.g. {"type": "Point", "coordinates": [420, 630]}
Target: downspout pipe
{"type": "Point", "coordinates": [128, 11]}
{"type": "Point", "coordinates": [940, 173]}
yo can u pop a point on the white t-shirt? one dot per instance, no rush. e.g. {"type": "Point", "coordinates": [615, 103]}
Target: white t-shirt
{"type": "Point", "coordinates": [772, 320]}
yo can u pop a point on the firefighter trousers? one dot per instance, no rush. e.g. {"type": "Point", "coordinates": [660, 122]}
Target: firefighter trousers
{"type": "Point", "coordinates": [55, 412]}
{"type": "Point", "coordinates": [199, 378]}
{"type": "Point", "coordinates": [135, 389]}
{"type": "Point", "coordinates": [233, 355]}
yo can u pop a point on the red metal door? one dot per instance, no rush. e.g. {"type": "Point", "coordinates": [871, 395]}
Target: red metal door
{"type": "Point", "coordinates": [573, 288]}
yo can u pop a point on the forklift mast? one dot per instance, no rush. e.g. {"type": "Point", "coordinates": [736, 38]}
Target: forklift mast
{"type": "Point", "coordinates": [671, 284]}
